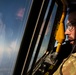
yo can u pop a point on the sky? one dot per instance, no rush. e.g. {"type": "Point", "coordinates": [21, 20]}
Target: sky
{"type": "Point", "coordinates": [13, 17]}
{"type": "Point", "coordinates": [11, 21]}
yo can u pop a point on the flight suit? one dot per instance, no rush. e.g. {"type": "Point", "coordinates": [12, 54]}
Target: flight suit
{"type": "Point", "coordinates": [68, 67]}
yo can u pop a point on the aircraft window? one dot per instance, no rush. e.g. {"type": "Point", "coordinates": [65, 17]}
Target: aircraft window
{"type": "Point", "coordinates": [65, 25]}
{"type": "Point", "coordinates": [47, 34]}
{"type": "Point", "coordinates": [13, 16]}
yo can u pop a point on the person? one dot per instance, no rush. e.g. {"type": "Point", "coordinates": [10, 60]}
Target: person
{"type": "Point", "coordinates": [68, 65]}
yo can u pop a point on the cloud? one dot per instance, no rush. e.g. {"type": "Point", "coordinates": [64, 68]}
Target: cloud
{"type": "Point", "coordinates": [11, 48]}
{"type": "Point", "coordinates": [2, 27]}
{"type": "Point", "coordinates": [1, 52]}
{"type": "Point", "coordinates": [2, 36]}
{"type": "Point", "coordinates": [13, 44]}
{"type": "Point", "coordinates": [1, 49]}
{"type": "Point", "coordinates": [8, 49]}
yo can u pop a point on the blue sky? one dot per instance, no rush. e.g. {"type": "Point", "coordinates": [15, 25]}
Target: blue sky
{"type": "Point", "coordinates": [11, 20]}
{"type": "Point", "coordinates": [13, 13]}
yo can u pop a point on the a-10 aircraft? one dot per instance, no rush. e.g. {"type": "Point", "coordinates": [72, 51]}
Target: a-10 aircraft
{"type": "Point", "coordinates": [44, 44]}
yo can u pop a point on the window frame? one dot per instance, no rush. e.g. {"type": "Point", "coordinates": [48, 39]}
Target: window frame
{"type": "Point", "coordinates": [25, 53]}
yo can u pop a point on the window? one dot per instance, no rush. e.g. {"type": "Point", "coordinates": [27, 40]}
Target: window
{"type": "Point", "coordinates": [13, 17]}
{"type": "Point", "coordinates": [47, 33]}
